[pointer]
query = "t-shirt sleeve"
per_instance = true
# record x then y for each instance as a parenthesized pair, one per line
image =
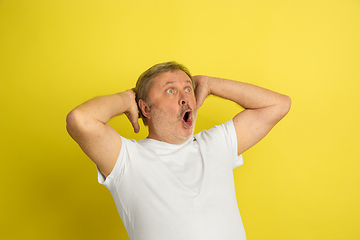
(120, 167)
(226, 132)
(230, 130)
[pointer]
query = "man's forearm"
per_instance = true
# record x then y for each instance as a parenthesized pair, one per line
(103, 108)
(246, 95)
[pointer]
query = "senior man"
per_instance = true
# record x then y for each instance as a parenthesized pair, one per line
(174, 185)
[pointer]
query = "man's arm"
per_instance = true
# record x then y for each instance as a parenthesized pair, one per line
(263, 108)
(87, 125)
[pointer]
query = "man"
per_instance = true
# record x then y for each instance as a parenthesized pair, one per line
(173, 184)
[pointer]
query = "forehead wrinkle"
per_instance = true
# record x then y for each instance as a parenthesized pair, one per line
(174, 82)
(169, 82)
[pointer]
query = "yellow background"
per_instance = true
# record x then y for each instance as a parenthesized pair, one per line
(301, 182)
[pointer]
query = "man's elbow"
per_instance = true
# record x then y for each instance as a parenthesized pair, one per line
(75, 121)
(284, 106)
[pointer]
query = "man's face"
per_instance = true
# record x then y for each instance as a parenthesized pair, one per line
(173, 113)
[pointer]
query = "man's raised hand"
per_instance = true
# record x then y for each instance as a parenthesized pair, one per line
(202, 89)
(132, 112)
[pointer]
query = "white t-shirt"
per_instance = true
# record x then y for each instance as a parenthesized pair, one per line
(164, 191)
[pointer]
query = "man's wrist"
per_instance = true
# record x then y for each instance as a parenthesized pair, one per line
(204, 81)
(126, 100)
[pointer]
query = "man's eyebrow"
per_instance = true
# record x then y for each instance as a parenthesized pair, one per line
(189, 82)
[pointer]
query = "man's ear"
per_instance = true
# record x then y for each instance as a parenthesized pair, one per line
(144, 108)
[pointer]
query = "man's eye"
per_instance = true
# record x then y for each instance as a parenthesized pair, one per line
(169, 91)
(188, 90)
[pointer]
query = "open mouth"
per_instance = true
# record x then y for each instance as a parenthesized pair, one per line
(186, 118)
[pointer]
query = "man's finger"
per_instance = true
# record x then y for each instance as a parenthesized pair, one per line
(136, 126)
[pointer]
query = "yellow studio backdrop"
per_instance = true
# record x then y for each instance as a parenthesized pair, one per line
(301, 182)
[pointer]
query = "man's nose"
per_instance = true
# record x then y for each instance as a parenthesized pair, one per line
(183, 102)
(184, 98)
